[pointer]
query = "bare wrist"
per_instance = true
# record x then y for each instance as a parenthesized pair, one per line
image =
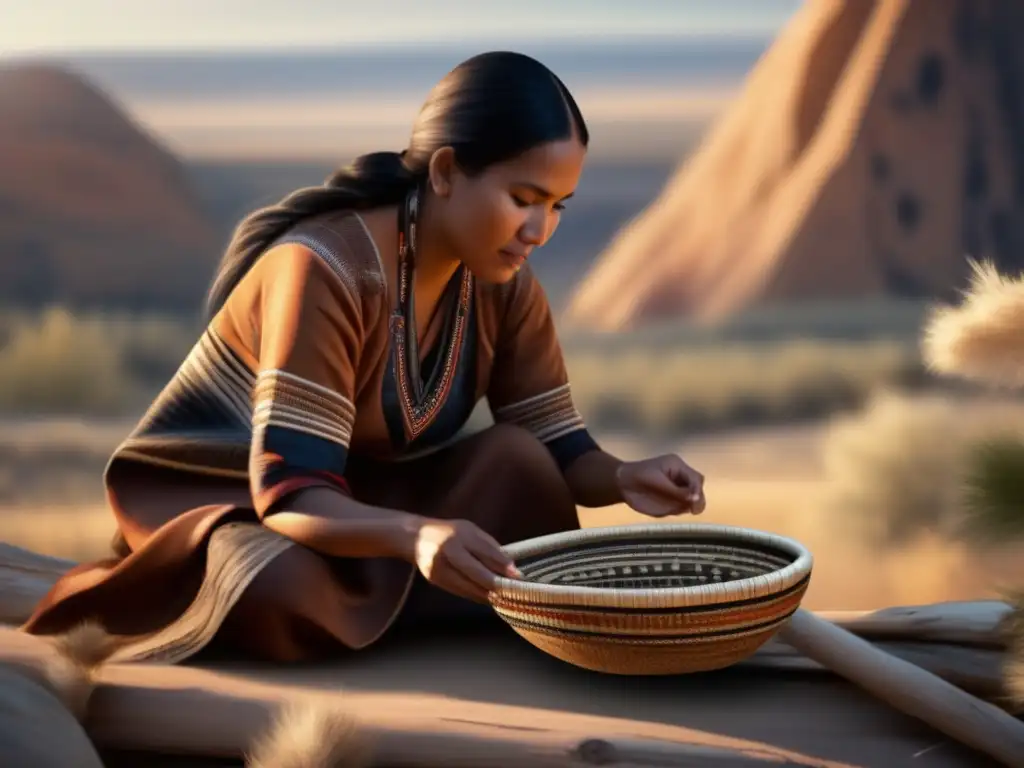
(405, 535)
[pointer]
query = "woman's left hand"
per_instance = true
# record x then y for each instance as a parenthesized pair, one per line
(662, 486)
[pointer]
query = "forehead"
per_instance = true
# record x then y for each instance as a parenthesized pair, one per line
(555, 166)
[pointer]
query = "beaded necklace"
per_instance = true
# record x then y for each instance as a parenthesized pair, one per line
(421, 400)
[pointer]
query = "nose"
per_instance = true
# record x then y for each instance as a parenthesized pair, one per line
(538, 227)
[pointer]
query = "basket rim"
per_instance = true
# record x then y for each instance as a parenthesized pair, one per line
(751, 588)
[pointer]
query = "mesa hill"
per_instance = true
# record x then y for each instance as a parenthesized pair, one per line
(92, 210)
(873, 147)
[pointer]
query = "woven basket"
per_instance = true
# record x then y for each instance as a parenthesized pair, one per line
(653, 599)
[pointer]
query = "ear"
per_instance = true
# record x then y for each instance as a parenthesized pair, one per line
(442, 170)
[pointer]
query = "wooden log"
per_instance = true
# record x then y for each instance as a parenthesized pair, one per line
(320, 735)
(214, 723)
(36, 729)
(908, 688)
(978, 671)
(975, 622)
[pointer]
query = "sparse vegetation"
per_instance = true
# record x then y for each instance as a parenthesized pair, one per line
(57, 362)
(909, 466)
(994, 488)
(691, 389)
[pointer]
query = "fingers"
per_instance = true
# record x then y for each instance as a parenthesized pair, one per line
(673, 499)
(664, 486)
(453, 581)
(690, 481)
(469, 567)
(490, 553)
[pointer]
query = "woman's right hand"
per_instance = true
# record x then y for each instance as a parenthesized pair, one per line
(459, 557)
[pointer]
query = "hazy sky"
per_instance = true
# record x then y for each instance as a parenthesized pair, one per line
(62, 25)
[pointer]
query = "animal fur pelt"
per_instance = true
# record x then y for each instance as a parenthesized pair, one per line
(311, 735)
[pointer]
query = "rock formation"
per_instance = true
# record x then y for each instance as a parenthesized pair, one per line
(92, 210)
(874, 147)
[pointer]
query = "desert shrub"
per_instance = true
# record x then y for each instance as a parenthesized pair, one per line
(93, 364)
(61, 363)
(994, 488)
(66, 363)
(664, 390)
(906, 465)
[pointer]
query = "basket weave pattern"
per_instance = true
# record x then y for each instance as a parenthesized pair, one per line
(660, 599)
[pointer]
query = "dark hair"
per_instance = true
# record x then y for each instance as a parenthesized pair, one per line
(490, 108)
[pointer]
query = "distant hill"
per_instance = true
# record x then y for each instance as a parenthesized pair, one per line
(93, 211)
(874, 146)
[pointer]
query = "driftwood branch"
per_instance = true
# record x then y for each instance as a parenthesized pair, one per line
(908, 688)
(976, 622)
(978, 671)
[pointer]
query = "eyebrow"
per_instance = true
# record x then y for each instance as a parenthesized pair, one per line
(540, 190)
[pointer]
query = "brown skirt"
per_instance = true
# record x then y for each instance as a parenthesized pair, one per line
(201, 573)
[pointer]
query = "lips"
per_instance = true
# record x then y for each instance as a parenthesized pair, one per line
(514, 259)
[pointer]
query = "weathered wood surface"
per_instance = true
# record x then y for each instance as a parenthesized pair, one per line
(208, 711)
(908, 688)
(978, 671)
(446, 695)
(976, 622)
(222, 717)
(36, 729)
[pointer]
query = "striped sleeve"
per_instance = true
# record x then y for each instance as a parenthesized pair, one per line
(529, 385)
(310, 337)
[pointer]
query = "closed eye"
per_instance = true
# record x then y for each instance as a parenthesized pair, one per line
(541, 192)
(525, 204)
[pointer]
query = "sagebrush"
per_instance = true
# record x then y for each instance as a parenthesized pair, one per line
(910, 465)
(60, 362)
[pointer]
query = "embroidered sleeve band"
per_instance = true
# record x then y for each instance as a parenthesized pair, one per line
(552, 418)
(301, 431)
(548, 416)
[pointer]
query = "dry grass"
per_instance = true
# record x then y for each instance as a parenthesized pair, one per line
(900, 469)
(682, 390)
(58, 362)
(61, 362)
(982, 339)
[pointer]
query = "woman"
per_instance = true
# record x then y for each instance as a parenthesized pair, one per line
(304, 465)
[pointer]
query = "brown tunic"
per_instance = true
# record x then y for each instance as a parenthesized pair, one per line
(308, 377)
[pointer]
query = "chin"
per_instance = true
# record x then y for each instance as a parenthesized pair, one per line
(495, 275)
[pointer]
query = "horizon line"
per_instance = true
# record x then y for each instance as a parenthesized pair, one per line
(419, 45)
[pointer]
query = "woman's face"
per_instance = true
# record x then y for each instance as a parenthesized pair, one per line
(495, 219)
